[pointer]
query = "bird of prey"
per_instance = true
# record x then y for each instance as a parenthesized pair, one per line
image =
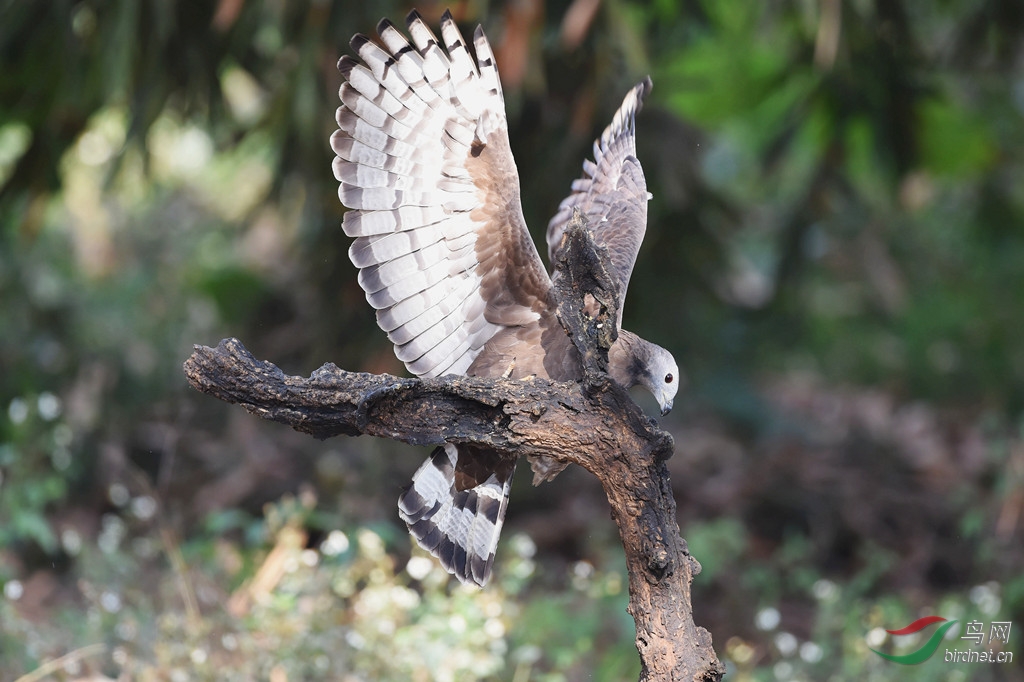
(446, 260)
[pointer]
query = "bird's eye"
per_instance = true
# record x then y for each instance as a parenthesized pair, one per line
(668, 378)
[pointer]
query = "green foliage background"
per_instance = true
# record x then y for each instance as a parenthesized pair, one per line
(835, 254)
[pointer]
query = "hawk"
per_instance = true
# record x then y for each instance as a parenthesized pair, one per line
(446, 260)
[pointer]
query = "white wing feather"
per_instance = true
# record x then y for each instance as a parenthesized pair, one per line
(410, 113)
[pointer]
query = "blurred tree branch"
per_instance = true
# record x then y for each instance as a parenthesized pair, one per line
(594, 424)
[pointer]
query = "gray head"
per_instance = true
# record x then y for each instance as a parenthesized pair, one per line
(636, 362)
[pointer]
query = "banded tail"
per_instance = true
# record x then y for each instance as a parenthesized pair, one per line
(455, 517)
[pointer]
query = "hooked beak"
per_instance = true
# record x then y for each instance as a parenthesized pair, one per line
(666, 408)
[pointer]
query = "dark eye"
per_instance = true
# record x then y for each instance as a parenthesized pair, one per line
(668, 378)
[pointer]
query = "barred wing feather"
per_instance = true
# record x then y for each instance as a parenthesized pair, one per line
(422, 159)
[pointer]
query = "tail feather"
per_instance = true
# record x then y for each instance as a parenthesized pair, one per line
(459, 527)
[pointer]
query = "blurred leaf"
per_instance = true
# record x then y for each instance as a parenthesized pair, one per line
(954, 141)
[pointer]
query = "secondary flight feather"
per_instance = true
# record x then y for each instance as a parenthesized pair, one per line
(446, 260)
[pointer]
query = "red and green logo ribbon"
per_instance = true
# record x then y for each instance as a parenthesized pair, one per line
(926, 651)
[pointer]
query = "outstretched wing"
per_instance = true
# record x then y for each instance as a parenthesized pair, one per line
(612, 193)
(424, 162)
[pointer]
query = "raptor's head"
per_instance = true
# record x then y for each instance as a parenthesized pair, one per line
(634, 361)
(661, 377)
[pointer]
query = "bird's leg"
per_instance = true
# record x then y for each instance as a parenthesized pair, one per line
(508, 372)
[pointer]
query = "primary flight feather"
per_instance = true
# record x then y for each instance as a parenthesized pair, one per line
(446, 260)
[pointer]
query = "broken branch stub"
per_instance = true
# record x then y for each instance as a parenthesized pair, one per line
(587, 295)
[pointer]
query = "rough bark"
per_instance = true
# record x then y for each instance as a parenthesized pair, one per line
(594, 424)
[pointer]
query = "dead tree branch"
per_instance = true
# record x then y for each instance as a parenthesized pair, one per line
(594, 424)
